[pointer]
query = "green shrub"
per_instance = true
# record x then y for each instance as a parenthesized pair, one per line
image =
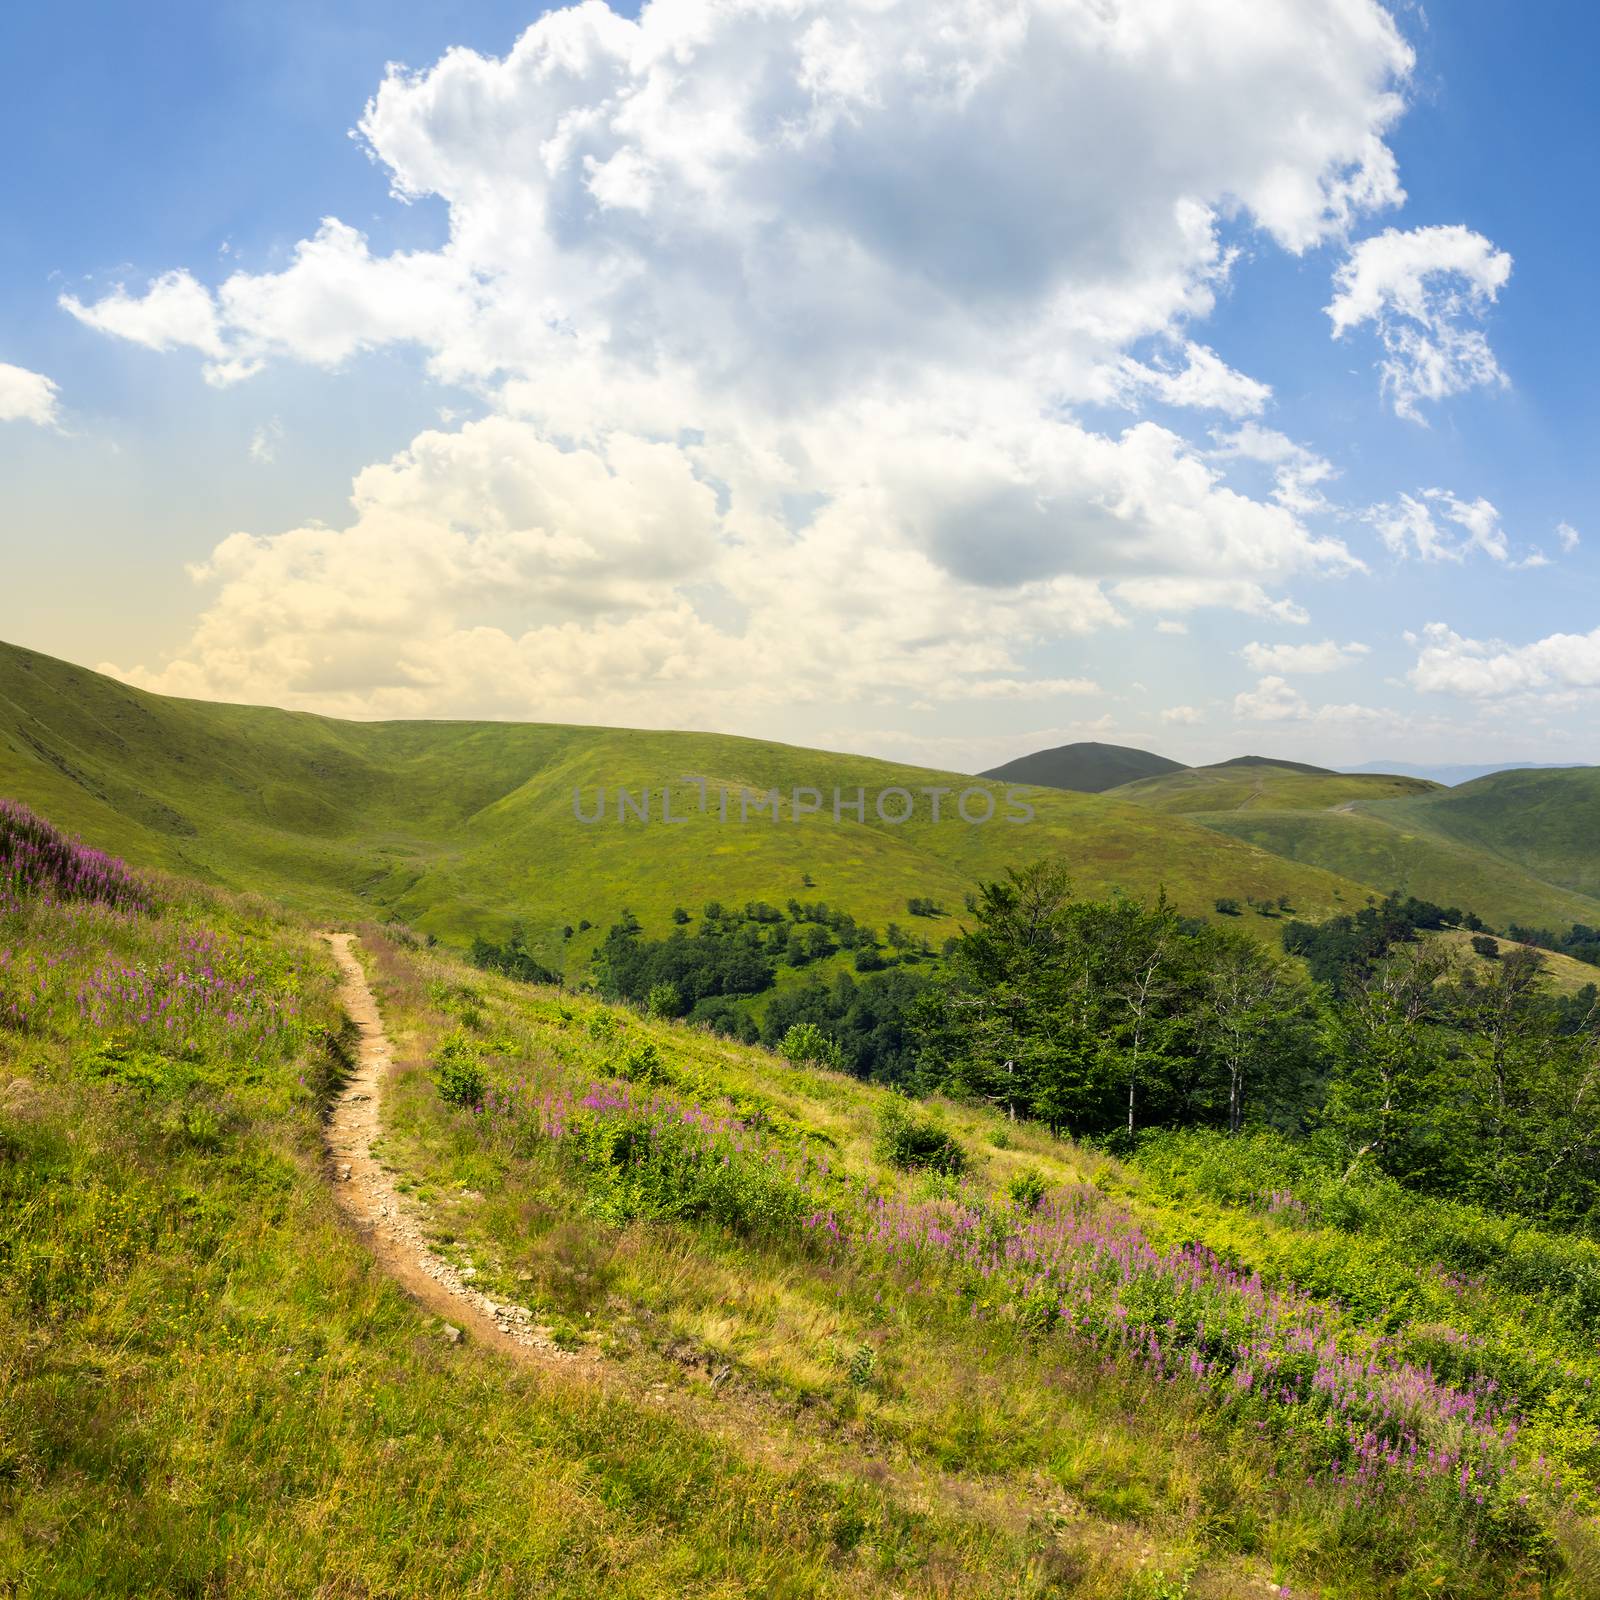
(863, 1363)
(458, 1074)
(670, 1172)
(664, 1001)
(913, 1141)
(805, 1044)
(1027, 1189)
(642, 1063)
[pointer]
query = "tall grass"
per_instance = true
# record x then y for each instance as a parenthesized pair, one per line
(208, 1389)
(1096, 1338)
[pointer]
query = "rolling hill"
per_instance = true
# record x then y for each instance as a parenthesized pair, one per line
(1088, 768)
(1412, 861)
(1450, 774)
(464, 827)
(1517, 847)
(1543, 820)
(1249, 784)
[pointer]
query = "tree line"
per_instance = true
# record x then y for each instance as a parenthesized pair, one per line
(1110, 1017)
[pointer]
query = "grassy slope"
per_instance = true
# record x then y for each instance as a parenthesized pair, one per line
(207, 1387)
(1518, 847)
(1545, 821)
(1240, 787)
(1383, 851)
(1032, 1424)
(461, 827)
(1563, 975)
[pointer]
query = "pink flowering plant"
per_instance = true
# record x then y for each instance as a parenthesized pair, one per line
(1343, 1398)
(155, 991)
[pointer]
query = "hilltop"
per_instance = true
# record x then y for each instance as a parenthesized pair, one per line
(1514, 847)
(1545, 820)
(1253, 784)
(467, 827)
(1086, 767)
(1450, 774)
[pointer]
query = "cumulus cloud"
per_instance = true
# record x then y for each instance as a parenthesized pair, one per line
(1026, 688)
(1297, 472)
(175, 311)
(1301, 658)
(27, 396)
(1568, 536)
(1184, 716)
(1205, 382)
(1426, 291)
(1274, 699)
(1436, 525)
(838, 272)
(1447, 663)
(489, 571)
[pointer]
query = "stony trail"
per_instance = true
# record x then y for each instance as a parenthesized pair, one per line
(391, 1225)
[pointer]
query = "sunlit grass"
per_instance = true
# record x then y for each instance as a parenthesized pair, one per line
(893, 1348)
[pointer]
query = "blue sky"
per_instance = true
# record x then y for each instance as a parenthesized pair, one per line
(738, 374)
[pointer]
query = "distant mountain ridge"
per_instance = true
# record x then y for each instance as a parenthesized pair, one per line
(1450, 775)
(462, 828)
(1516, 844)
(1085, 768)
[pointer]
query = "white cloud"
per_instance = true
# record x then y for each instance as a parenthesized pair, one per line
(1024, 688)
(1568, 535)
(489, 571)
(1205, 382)
(1186, 716)
(1273, 699)
(1192, 594)
(1447, 663)
(1412, 524)
(1171, 625)
(1425, 290)
(1297, 471)
(1301, 658)
(27, 396)
(836, 272)
(176, 311)
(264, 442)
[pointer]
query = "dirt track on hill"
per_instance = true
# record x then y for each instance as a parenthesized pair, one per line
(745, 1422)
(392, 1228)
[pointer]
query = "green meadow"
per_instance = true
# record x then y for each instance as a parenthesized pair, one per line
(804, 1361)
(461, 828)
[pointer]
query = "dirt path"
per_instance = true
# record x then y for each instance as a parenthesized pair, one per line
(393, 1231)
(364, 1188)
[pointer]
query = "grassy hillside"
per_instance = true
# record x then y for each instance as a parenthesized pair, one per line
(1041, 1348)
(1563, 975)
(804, 1365)
(1379, 851)
(462, 827)
(1516, 847)
(1087, 767)
(1544, 820)
(208, 1387)
(1263, 786)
